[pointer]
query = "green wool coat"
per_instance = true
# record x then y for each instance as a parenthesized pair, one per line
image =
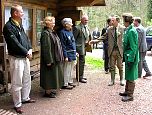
(131, 53)
(51, 77)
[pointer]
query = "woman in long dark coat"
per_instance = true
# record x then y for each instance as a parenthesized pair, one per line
(51, 73)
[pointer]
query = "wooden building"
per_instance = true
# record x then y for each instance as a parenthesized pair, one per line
(34, 13)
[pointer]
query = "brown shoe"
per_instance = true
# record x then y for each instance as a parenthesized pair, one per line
(18, 110)
(29, 101)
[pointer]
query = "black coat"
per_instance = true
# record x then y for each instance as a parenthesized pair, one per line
(17, 41)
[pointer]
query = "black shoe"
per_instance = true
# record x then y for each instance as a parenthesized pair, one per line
(127, 98)
(106, 72)
(29, 101)
(123, 94)
(71, 84)
(67, 87)
(111, 83)
(83, 81)
(54, 92)
(147, 75)
(51, 95)
(122, 83)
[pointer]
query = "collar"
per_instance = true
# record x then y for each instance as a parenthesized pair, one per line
(16, 22)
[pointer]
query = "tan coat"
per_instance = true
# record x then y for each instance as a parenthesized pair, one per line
(111, 36)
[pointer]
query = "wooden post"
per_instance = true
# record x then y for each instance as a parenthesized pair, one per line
(3, 56)
(77, 69)
(4, 63)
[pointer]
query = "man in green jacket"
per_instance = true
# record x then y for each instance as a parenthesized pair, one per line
(131, 57)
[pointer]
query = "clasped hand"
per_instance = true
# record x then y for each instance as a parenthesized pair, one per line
(129, 64)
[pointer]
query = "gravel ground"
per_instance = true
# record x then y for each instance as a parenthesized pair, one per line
(93, 98)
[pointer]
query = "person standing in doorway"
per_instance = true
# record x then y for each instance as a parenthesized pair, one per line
(19, 51)
(131, 57)
(82, 37)
(95, 35)
(142, 48)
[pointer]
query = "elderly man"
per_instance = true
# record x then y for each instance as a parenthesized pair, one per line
(142, 48)
(82, 37)
(19, 51)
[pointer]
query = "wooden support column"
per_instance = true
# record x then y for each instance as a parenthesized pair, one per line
(3, 62)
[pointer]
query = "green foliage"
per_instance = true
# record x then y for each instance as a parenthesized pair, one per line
(149, 10)
(149, 23)
(99, 14)
(94, 63)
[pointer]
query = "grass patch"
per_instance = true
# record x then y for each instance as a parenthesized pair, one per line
(94, 63)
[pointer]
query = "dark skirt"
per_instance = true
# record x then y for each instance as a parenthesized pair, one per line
(51, 77)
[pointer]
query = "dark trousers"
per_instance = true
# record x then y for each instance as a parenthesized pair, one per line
(95, 44)
(81, 66)
(142, 64)
(106, 59)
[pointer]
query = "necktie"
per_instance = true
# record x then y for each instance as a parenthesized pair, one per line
(115, 38)
(86, 32)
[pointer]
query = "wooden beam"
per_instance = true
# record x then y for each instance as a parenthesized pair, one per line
(1, 20)
(98, 3)
(79, 3)
(74, 14)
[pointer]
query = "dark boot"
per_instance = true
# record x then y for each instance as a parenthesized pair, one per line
(112, 78)
(121, 77)
(131, 87)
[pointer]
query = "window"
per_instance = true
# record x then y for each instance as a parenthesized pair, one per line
(26, 20)
(40, 15)
(31, 21)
